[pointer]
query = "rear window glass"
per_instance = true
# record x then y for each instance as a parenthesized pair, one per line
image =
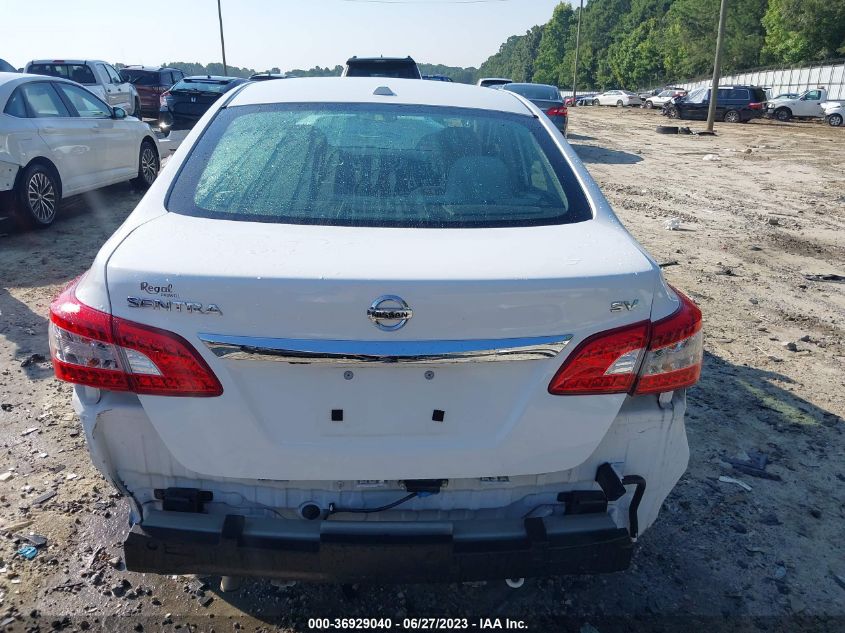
(399, 70)
(80, 73)
(539, 92)
(378, 165)
(140, 77)
(203, 85)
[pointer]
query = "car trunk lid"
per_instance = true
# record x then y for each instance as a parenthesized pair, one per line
(384, 403)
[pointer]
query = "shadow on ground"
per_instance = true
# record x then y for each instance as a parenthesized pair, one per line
(594, 154)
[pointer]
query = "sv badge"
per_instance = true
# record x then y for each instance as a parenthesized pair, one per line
(624, 306)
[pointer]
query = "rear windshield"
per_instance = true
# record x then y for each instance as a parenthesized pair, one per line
(80, 73)
(203, 85)
(140, 77)
(399, 69)
(378, 165)
(539, 92)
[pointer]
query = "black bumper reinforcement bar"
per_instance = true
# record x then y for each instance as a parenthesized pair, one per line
(351, 551)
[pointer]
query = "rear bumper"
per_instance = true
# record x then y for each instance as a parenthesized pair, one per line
(353, 551)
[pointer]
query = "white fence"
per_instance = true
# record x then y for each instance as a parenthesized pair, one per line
(779, 80)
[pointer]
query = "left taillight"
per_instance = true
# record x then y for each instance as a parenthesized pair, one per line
(557, 111)
(642, 358)
(93, 348)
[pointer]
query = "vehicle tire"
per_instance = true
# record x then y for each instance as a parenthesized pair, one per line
(38, 196)
(783, 114)
(673, 113)
(148, 165)
(619, 104)
(834, 120)
(649, 105)
(137, 113)
(596, 102)
(732, 116)
(666, 129)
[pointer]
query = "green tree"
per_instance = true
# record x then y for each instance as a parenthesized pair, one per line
(804, 30)
(556, 39)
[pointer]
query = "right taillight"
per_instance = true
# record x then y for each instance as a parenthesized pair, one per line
(163, 98)
(675, 351)
(93, 348)
(637, 359)
(756, 106)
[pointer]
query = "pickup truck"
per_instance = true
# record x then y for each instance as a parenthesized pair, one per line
(805, 105)
(97, 76)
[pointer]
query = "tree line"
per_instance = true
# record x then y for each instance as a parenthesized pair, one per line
(646, 43)
(642, 43)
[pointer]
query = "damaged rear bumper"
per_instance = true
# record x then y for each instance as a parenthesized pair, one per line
(352, 551)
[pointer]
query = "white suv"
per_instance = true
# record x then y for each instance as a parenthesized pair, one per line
(97, 76)
(407, 339)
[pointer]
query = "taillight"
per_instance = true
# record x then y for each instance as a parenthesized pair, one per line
(641, 358)
(90, 347)
(557, 111)
(756, 106)
(162, 100)
(675, 351)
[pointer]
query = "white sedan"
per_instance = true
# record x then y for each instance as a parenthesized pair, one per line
(57, 139)
(618, 98)
(379, 328)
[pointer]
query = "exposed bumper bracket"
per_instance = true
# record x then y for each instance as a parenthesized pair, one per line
(351, 551)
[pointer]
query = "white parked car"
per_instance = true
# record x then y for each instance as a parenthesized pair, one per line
(407, 339)
(57, 139)
(618, 98)
(98, 76)
(834, 113)
(661, 99)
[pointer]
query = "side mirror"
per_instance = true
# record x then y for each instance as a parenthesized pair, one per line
(118, 113)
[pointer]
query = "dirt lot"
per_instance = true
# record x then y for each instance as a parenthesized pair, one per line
(768, 209)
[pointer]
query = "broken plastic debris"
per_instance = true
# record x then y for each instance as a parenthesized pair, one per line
(28, 552)
(31, 429)
(731, 480)
(673, 224)
(711, 157)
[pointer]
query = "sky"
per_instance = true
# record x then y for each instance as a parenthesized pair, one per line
(262, 34)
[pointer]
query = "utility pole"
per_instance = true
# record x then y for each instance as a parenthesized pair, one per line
(717, 66)
(222, 44)
(577, 42)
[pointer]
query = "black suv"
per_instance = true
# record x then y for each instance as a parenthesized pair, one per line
(397, 67)
(734, 104)
(184, 104)
(151, 82)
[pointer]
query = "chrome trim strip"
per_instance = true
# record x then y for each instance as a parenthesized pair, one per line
(309, 351)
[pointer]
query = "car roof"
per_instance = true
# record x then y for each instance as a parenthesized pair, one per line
(515, 84)
(355, 59)
(152, 69)
(10, 81)
(210, 78)
(361, 90)
(68, 61)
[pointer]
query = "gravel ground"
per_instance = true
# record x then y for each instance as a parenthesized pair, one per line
(754, 210)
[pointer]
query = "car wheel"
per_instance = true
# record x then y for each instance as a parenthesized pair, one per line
(673, 113)
(731, 116)
(148, 165)
(39, 194)
(834, 120)
(596, 102)
(619, 103)
(649, 105)
(783, 114)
